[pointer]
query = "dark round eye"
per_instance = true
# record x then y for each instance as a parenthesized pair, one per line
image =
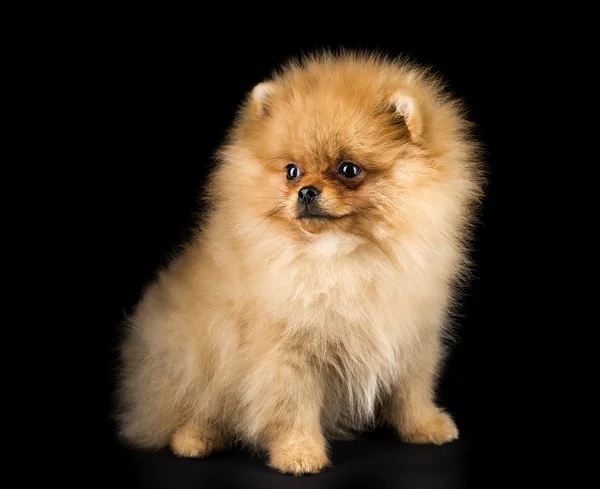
(292, 172)
(349, 169)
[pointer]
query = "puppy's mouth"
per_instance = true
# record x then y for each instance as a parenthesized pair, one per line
(310, 213)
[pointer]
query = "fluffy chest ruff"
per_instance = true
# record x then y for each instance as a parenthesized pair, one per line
(350, 310)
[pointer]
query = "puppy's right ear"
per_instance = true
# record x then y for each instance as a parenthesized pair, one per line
(261, 98)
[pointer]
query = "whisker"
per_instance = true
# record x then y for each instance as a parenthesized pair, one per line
(266, 229)
(275, 209)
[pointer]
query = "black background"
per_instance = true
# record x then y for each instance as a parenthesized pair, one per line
(161, 108)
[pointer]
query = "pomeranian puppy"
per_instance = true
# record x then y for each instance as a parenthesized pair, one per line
(315, 297)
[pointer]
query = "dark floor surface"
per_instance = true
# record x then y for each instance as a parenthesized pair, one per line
(375, 460)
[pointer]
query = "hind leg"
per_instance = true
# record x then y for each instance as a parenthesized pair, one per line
(197, 440)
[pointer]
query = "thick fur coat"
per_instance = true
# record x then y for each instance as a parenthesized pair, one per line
(281, 329)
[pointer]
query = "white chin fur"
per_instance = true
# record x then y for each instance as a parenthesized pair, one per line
(331, 243)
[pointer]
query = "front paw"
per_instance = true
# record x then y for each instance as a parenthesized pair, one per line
(193, 442)
(435, 427)
(299, 455)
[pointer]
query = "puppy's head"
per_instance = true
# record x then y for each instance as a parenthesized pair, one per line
(346, 143)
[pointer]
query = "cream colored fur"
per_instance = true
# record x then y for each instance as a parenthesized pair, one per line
(281, 333)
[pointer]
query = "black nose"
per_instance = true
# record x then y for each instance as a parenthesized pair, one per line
(307, 194)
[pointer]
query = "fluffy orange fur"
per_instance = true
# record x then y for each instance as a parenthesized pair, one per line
(281, 331)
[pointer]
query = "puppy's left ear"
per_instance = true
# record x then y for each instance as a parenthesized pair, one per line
(261, 98)
(405, 106)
